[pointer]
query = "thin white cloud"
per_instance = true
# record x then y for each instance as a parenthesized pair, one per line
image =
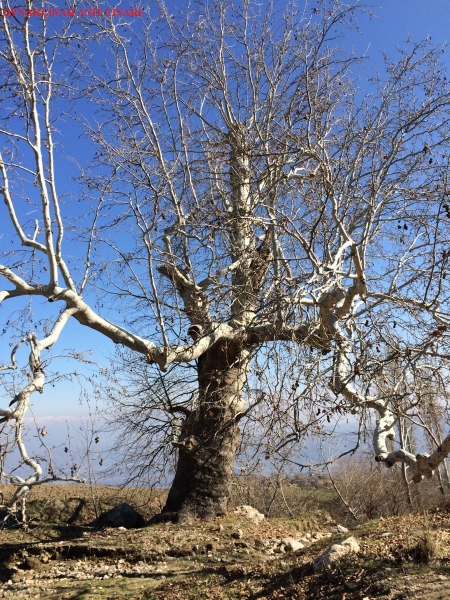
(54, 419)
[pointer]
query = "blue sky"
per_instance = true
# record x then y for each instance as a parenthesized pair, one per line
(395, 20)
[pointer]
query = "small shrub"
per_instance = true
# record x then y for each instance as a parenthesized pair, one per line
(427, 548)
(373, 491)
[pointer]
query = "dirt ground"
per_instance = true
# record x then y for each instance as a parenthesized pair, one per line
(60, 556)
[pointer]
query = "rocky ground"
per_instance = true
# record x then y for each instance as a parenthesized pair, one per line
(237, 556)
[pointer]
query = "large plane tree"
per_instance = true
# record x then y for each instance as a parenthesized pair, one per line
(247, 188)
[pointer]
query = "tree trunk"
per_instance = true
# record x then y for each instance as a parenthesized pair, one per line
(209, 437)
(441, 481)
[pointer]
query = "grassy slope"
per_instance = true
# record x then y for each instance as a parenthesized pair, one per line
(204, 561)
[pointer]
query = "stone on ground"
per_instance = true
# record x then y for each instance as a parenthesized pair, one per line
(122, 515)
(291, 544)
(250, 513)
(336, 553)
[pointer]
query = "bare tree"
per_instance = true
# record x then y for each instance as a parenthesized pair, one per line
(18, 407)
(143, 417)
(256, 194)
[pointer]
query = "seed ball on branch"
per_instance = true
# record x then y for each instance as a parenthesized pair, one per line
(195, 332)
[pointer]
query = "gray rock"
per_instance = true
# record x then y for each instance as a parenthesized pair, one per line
(304, 540)
(122, 515)
(250, 513)
(341, 529)
(336, 553)
(291, 544)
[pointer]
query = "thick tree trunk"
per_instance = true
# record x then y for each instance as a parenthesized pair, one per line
(209, 439)
(210, 436)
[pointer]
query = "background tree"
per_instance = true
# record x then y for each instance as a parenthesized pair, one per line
(251, 200)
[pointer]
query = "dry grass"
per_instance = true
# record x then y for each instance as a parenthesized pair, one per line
(81, 504)
(281, 499)
(428, 547)
(400, 557)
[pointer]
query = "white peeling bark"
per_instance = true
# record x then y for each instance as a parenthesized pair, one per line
(420, 465)
(336, 310)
